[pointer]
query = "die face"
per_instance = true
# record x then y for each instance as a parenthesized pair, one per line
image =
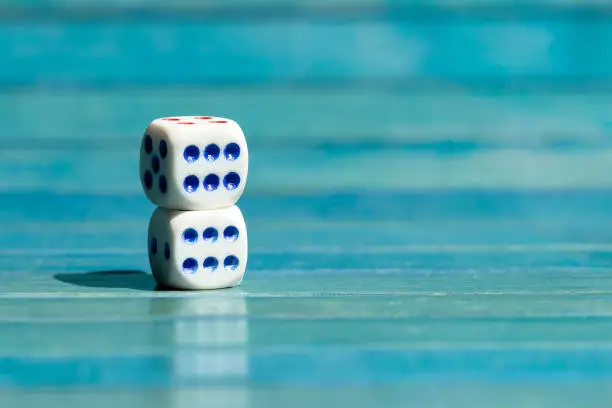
(204, 164)
(154, 166)
(159, 246)
(206, 249)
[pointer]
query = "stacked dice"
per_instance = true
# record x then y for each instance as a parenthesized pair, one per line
(194, 169)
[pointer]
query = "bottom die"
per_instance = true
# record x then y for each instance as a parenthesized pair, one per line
(198, 249)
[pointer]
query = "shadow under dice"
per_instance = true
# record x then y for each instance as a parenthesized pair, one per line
(198, 249)
(193, 162)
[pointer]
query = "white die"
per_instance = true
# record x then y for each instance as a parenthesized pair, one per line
(193, 162)
(198, 249)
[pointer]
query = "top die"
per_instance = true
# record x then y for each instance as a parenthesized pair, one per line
(193, 162)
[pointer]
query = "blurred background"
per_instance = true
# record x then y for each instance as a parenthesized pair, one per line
(427, 199)
(344, 94)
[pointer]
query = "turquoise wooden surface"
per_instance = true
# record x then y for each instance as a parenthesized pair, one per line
(479, 293)
(428, 204)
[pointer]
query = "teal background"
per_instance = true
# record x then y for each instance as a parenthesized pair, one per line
(428, 203)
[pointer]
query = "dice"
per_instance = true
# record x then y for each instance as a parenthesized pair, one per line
(194, 169)
(193, 162)
(195, 250)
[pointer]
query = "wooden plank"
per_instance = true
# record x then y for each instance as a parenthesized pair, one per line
(67, 6)
(467, 392)
(187, 52)
(100, 172)
(450, 121)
